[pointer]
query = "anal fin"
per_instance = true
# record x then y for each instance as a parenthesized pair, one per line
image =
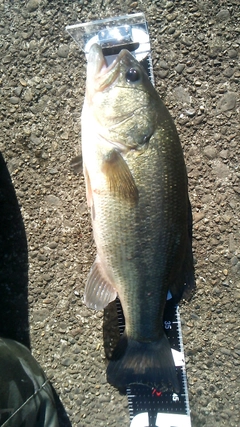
(98, 292)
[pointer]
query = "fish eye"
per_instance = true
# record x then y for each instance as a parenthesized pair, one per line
(133, 75)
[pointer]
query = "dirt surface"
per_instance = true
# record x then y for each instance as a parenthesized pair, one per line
(45, 232)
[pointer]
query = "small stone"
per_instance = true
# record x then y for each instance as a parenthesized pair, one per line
(192, 351)
(179, 68)
(171, 30)
(76, 164)
(63, 158)
(194, 316)
(224, 154)
(225, 272)
(236, 268)
(64, 136)
(52, 245)
(177, 34)
(33, 45)
(214, 242)
(198, 83)
(46, 277)
(23, 82)
(42, 257)
(225, 283)
(20, 194)
(67, 361)
(23, 53)
(47, 301)
(104, 399)
(17, 91)
(52, 171)
(27, 35)
(210, 152)
(76, 293)
(228, 72)
(217, 136)
(183, 120)
(225, 351)
(44, 155)
(33, 5)
(201, 37)
(197, 216)
(232, 53)
(217, 63)
(13, 164)
(171, 17)
(7, 59)
(76, 331)
(186, 41)
(223, 15)
(237, 189)
(190, 113)
(214, 51)
(28, 95)
(181, 95)
(14, 100)
(134, 4)
(216, 290)
(198, 120)
(53, 200)
(40, 315)
(200, 391)
(191, 70)
(35, 139)
(221, 170)
(234, 260)
(227, 102)
(63, 51)
(226, 218)
(162, 73)
(163, 64)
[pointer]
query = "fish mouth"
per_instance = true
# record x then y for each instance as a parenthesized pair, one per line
(98, 71)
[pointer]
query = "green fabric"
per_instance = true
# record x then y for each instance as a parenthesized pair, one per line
(26, 398)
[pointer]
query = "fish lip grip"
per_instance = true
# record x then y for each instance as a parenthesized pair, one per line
(147, 406)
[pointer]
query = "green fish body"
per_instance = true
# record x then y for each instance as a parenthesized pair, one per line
(136, 186)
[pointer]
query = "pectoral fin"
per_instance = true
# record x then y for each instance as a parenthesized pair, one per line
(99, 291)
(119, 177)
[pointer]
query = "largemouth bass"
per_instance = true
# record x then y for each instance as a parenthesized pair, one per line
(136, 187)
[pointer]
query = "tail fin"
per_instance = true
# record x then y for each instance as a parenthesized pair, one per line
(149, 363)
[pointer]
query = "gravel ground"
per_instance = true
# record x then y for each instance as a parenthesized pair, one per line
(46, 238)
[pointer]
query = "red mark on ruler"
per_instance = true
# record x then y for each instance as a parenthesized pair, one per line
(157, 393)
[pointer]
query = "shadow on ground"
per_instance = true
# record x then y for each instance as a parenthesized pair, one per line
(13, 264)
(14, 323)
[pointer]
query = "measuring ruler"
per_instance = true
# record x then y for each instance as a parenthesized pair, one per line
(148, 407)
(153, 408)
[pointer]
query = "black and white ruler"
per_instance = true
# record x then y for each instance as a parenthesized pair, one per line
(148, 407)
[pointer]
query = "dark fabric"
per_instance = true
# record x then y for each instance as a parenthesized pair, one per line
(26, 398)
